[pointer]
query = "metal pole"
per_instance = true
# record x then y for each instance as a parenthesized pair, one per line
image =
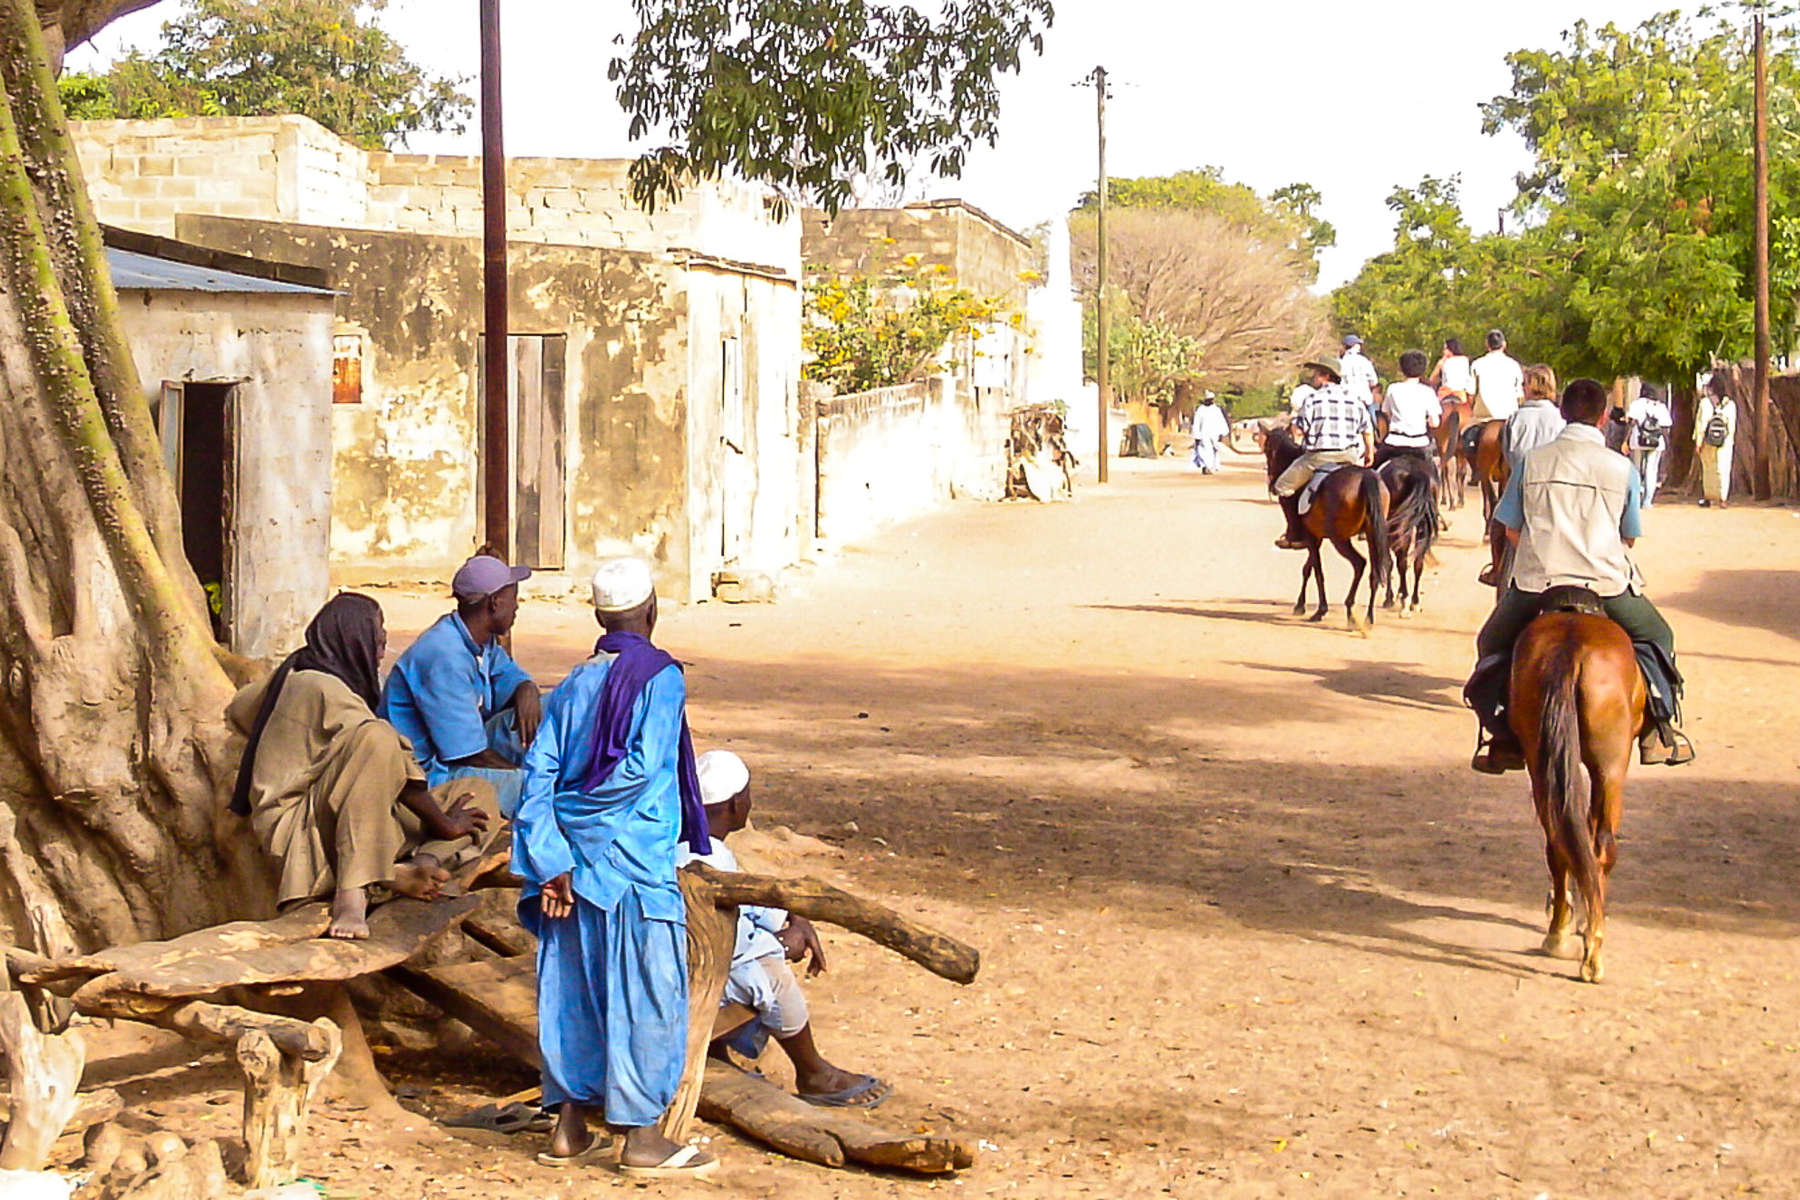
(1101, 315)
(496, 475)
(1762, 481)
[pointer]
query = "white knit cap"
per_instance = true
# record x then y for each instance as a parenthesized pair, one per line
(722, 776)
(621, 584)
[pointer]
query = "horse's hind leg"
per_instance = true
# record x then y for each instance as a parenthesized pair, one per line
(1606, 804)
(1562, 912)
(1358, 564)
(1306, 569)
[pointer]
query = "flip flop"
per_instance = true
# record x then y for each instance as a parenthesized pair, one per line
(596, 1144)
(503, 1118)
(866, 1092)
(679, 1165)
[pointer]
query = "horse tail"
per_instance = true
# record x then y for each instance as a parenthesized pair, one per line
(1559, 766)
(1417, 513)
(1374, 494)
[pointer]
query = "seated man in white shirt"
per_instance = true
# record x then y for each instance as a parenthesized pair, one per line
(768, 939)
(1499, 381)
(1412, 410)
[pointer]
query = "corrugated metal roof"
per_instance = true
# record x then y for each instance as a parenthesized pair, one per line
(148, 273)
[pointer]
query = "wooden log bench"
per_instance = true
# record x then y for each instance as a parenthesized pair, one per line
(180, 984)
(498, 999)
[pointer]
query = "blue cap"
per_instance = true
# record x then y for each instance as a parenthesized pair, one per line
(1350, 339)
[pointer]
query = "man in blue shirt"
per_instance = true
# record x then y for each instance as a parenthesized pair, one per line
(611, 788)
(457, 695)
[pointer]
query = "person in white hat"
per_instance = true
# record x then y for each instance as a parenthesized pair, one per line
(1210, 430)
(611, 789)
(467, 708)
(768, 939)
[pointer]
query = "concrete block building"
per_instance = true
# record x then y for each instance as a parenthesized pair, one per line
(655, 358)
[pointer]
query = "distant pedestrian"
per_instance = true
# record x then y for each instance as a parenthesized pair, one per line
(1210, 429)
(1649, 420)
(1499, 380)
(1715, 433)
(1359, 375)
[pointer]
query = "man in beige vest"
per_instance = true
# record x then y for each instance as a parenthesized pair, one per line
(1571, 512)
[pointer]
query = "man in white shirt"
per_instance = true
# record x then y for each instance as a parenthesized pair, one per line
(1649, 420)
(1715, 433)
(1499, 380)
(1412, 410)
(1359, 374)
(1210, 429)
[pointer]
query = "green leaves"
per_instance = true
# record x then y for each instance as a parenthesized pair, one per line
(1632, 250)
(808, 95)
(319, 58)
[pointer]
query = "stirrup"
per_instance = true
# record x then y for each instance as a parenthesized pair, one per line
(1492, 759)
(1670, 748)
(1490, 575)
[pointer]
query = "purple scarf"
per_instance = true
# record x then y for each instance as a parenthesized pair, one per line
(636, 664)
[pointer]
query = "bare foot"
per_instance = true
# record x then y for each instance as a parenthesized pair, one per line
(349, 915)
(422, 878)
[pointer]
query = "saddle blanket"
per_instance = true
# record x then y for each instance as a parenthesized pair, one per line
(1312, 485)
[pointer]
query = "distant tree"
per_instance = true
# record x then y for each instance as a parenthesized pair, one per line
(1285, 218)
(325, 59)
(1237, 309)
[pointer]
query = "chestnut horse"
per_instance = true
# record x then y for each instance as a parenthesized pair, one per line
(1352, 502)
(1445, 438)
(1487, 466)
(1577, 701)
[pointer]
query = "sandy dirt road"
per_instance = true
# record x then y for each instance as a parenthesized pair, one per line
(1250, 926)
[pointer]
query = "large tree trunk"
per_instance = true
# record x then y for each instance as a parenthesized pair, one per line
(113, 749)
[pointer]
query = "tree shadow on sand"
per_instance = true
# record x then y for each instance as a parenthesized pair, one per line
(1059, 787)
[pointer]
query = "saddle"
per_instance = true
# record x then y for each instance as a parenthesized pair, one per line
(1571, 598)
(1313, 485)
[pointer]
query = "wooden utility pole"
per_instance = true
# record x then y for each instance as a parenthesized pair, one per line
(1762, 481)
(1103, 330)
(496, 383)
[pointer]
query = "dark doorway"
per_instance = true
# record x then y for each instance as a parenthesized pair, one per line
(196, 423)
(535, 424)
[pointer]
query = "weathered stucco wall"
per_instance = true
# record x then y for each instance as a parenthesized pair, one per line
(405, 459)
(278, 348)
(981, 253)
(144, 174)
(748, 506)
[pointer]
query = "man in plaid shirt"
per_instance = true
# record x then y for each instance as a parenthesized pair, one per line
(1335, 427)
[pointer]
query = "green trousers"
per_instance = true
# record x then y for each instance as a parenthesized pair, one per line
(1634, 614)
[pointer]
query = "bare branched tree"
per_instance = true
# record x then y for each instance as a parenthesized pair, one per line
(1242, 300)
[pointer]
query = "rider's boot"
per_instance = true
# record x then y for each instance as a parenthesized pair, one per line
(1497, 748)
(1663, 744)
(1295, 537)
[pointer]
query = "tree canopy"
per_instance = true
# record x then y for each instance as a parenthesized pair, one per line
(325, 59)
(1631, 255)
(1285, 217)
(811, 95)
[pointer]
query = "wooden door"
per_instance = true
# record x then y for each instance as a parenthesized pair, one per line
(534, 456)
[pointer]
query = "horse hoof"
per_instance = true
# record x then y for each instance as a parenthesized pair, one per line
(1316, 617)
(1592, 971)
(1299, 610)
(1559, 946)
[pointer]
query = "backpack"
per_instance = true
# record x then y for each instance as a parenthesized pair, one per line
(1650, 433)
(1718, 431)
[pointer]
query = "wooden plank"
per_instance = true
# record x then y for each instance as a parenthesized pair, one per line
(303, 921)
(528, 436)
(204, 963)
(830, 1136)
(711, 937)
(497, 999)
(551, 484)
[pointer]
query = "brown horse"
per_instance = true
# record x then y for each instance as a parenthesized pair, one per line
(1577, 701)
(1412, 486)
(1352, 502)
(1487, 466)
(1445, 438)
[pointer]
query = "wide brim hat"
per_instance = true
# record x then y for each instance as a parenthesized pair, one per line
(1327, 362)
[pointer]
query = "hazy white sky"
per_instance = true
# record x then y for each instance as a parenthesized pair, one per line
(1353, 98)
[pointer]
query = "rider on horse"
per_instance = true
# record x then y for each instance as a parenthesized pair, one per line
(1537, 420)
(1571, 511)
(1335, 427)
